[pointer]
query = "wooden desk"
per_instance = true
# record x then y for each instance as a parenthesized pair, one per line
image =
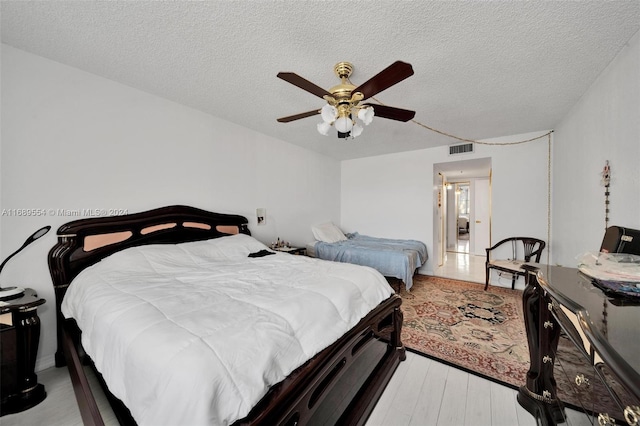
(604, 328)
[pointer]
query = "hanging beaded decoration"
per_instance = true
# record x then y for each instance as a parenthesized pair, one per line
(606, 180)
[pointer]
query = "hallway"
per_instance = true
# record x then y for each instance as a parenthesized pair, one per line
(468, 267)
(462, 266)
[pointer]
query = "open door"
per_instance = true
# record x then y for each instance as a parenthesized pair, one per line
(482, 217)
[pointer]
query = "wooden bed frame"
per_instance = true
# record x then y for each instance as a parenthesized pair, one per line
(341, 384)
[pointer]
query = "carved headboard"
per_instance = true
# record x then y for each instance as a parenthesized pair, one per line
(84, 242)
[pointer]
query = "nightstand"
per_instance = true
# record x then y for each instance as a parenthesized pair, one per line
(20, 335)
(291, 250)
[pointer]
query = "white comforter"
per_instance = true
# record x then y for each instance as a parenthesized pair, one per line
(196, 333)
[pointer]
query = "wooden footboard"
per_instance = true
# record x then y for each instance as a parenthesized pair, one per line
(340, 385)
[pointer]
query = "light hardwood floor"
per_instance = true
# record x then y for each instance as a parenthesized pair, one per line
(422, 391)
(59, 407)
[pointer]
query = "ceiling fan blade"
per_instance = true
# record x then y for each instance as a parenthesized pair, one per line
(296, 80)
(392, 113)
(298, 116)
(386, 78)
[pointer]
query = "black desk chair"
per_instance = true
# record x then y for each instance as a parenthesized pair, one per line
(523, 250)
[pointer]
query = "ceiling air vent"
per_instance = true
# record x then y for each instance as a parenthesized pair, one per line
(460, 149)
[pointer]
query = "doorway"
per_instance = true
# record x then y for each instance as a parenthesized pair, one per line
(462, 224)
(457, 216)
(462, 214)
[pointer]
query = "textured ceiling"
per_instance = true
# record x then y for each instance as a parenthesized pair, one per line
(482, 68)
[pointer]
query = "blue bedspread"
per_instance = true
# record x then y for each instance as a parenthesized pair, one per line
(392, 258)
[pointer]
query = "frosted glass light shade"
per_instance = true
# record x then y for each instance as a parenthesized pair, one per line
(344, 124)
(366, 115)
(357, 130)
(329, 113)
(323, 128)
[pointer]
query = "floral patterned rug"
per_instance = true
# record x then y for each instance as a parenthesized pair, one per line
(460, 324)
(483, 332)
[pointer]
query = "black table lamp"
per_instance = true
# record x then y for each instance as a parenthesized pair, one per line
(14, 292)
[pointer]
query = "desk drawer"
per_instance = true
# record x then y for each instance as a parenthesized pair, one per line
(583, 377)
(620, 395)
(580, 385)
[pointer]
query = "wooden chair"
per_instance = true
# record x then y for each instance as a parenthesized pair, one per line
(523, 250)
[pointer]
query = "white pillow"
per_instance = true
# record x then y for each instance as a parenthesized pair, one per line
(328, 233)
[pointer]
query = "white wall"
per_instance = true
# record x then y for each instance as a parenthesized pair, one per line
(72, 140)
(392, 195)
(603, 125)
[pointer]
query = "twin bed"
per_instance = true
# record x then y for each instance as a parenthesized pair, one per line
(190, 320)
(393, 258)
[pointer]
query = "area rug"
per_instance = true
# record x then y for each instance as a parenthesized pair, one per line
(459, 323)
(483, 332)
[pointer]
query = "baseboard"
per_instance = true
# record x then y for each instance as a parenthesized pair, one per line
(42, 363)
(425, 271)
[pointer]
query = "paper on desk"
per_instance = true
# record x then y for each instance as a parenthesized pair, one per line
(610, 266)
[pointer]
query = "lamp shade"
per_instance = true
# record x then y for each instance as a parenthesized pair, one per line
(329, 113)
(323, 128)
(366, 115)
(344, 124)
(357, 130)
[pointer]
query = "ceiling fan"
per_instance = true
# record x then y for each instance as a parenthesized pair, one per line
(344, 100)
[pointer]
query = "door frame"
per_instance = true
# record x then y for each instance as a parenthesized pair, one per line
(460, 170)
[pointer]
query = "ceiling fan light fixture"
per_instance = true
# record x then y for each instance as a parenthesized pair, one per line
(329, 113)
(344, 124)
(357, 130)
(366, 115)
(343, 109)
(323, 128)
